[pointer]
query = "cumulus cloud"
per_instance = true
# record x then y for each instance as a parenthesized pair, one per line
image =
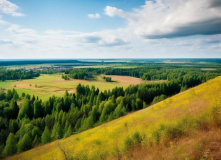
(94, 16)
(112, 38)
(113, 11)
(156, 21)
(172, 18)
(7, 7)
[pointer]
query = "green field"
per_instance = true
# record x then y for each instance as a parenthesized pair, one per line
(47, 85)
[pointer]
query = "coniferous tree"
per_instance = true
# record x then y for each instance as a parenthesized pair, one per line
(25, 143)
(10, 147)
(69, 132)
(37, 109)
(46, 136)
(56, 131)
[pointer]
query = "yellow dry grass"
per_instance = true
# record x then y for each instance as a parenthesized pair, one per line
(108, 140)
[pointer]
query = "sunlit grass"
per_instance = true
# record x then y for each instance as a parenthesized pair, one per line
(47, 85)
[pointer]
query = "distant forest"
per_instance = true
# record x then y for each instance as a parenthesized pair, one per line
(17, 74)
(27, 121)
(150, 72)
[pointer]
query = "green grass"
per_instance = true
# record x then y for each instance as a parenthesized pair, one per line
(47, 85)
(6, 84)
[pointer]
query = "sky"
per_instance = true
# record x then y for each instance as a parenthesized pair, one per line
(45, 29)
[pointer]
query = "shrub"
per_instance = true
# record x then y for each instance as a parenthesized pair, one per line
(108, 79)
(128, 142)
(137, 139)
(133, 141)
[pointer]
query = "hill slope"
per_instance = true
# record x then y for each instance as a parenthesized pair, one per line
(181, 127)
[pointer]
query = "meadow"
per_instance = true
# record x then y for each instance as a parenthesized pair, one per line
(177, 128)
(52, 84)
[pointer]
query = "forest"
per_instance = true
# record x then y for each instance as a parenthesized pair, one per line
(27, 121)
(17, 74)
(149, 72)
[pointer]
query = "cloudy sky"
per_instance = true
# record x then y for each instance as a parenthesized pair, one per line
(110, 29)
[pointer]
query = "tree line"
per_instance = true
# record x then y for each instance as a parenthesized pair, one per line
(7, 74)
(155, 72)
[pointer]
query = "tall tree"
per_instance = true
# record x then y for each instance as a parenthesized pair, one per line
(10, 147)
(46, 136)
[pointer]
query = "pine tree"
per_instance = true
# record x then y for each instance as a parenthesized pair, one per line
(37, 109)
(69, 132)
(35, 142)
(56, 131)
(25, 143)
(46, 136)
(10, 147)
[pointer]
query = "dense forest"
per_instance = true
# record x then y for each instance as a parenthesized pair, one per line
(28, 121)
(150, 72)
(17, 74)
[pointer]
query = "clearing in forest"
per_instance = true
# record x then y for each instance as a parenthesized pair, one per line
(52, 84)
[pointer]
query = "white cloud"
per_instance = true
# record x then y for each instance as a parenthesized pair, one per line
(113, 11)
(107, 38)
(172, 18)
(152, 20)
(7, 7)
(94, 16)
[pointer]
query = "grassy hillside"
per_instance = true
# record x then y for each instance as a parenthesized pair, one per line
(185, 126)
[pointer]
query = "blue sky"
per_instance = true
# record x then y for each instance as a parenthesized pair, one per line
(110, 29)
(70, 14)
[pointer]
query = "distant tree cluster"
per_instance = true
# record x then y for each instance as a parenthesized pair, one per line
(65, 77)
(78, 74)
(17, 74)
(108, 79)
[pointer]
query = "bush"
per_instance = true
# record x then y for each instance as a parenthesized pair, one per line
(108, 79)
(131, 142)
(137, 139)
(128, 142)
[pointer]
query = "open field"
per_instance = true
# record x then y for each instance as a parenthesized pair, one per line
(185, 126)
(129, 80)
(47, 85)
(208, 69)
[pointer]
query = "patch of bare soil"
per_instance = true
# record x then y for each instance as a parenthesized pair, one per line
(213, 151)
(125, 79)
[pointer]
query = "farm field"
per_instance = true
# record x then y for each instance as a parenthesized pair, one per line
(179, 127)
(47, 85)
